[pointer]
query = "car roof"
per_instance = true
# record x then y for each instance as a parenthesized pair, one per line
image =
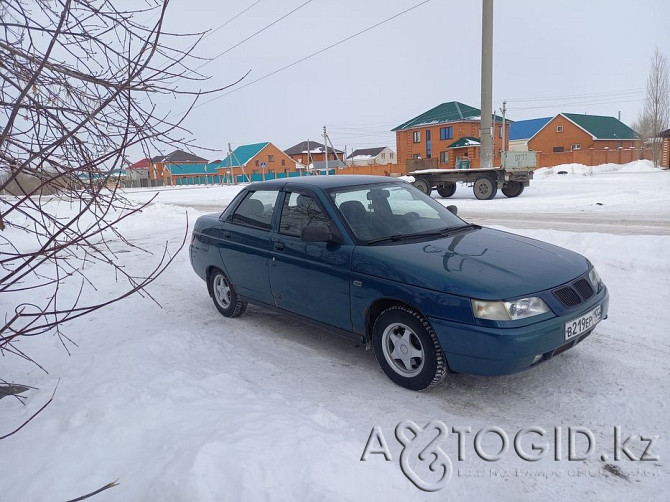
(324, 181)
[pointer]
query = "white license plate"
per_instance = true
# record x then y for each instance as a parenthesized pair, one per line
(582, 324)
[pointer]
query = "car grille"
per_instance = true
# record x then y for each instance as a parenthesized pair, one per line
(575, 294)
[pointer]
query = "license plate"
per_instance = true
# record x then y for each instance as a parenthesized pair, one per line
(582, 324)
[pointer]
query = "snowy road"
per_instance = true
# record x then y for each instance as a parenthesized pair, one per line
(181, 404)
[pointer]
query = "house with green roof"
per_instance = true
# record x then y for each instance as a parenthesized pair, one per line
(446, 135)
(572, 131)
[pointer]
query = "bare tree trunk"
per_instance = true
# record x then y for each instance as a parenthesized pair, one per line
(656, 114)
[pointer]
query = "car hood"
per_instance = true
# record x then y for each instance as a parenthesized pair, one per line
(483, 263)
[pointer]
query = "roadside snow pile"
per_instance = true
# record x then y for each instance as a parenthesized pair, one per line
(639, 166)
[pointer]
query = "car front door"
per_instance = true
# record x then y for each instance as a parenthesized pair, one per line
(245, 244)
(309, 278)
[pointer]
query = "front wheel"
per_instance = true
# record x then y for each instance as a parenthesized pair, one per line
(485, 188)
(422, 185)
(407, 349)
(225, 297)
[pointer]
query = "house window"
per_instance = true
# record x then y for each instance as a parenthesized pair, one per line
(429, 151)
(283, 162)
(417, 136)
(446, 132)
(271, 158)
(500, 130)
(256, 163)
(391, 155)
(558, 149)
(559, 128)
(417, 156)
(575, 146)
(444, 157)
(383, 155)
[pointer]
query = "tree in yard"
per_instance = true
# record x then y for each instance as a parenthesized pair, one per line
(655, 116)
(80, 83)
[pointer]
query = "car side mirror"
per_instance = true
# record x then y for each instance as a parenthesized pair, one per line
(453, 209)
(320, 233)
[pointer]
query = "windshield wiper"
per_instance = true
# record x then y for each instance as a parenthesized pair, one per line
(445, 232)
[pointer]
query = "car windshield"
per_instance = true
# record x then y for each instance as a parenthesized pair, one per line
(392, 211)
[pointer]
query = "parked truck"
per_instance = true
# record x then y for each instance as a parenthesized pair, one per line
(514, 175)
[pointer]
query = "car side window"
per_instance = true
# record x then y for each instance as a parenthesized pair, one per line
(256, 209)
(299, 211)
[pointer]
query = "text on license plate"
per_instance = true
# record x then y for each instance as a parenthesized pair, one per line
(582, 324)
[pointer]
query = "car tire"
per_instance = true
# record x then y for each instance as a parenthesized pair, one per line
(407, 349)
(447, 190)
(485, 188)
(224, 295)
(423, 185)
(512, 189)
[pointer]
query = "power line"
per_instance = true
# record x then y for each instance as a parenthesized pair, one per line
(231, 19)
(320, 51)
(583, 95)
(254, 34)
(576, 103)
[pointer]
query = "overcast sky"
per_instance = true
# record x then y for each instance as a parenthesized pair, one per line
(577, 56)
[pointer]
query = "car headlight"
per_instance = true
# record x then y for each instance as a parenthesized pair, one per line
(595, 279)
(509, 311)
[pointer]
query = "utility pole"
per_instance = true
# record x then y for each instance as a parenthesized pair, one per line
(486, 148)
(325, 144)
(504, 110)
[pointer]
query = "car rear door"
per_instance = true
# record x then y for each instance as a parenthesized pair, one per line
(245, 246)
(309, 278)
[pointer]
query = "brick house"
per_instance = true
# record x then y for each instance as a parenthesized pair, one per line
(158, 174)
(308, 151)
(256, 162)
(570, 131)
(664, 160)
(448, 132)
(520, 131)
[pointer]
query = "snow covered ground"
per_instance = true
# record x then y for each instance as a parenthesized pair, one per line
(181, 404)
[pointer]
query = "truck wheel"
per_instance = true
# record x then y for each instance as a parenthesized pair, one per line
(512, 189)
(422, 185)
(485, 188)
(407, 349)
(447, 190)
(224, 295)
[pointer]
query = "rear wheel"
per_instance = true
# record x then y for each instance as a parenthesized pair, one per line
(447, 190)
(407, 349)
(512, 189)
(485, 188)
(224, 295)
(422, 185)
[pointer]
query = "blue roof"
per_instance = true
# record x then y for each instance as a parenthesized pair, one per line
(177, 169)
(241, 155)
(526, 129)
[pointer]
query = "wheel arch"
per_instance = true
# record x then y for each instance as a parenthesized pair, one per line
(379, 306)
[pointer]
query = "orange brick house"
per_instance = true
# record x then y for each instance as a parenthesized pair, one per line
(449, 132)
(255, 162)
(664, 160)
(158, 170)
(592, 139)
(308, 151)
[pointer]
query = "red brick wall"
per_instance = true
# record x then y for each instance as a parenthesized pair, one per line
(592, 157)
(406, 148)
(549, 138)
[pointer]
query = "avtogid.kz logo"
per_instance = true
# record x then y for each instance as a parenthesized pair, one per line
(425, 462)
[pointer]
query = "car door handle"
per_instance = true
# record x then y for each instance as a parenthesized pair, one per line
(226, 234)
(279, 246)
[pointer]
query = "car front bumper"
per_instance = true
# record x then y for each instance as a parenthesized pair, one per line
(480, 350)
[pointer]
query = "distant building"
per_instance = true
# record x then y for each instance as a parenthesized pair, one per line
(368, 156)
(308, 151)
(664, 160)
(256, 162)
(521, 131)
(449, 133)
(159, 175)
